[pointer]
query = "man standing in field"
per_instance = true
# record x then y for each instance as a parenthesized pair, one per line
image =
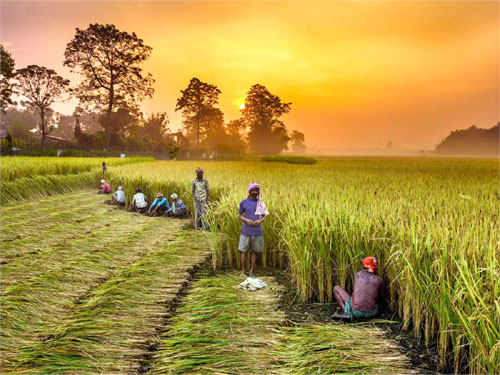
(367, 292)
(252, 212)
(201, 195)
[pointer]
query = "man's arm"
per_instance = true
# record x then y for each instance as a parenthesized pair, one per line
(260, 221)
(208, 191)
(193, 187)
(244, 219)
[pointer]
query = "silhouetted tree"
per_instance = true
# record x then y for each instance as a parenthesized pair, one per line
(298, 140)
(471, 141)
(41, 87)
(267, 135)
(117, 125)
(197, 105)
(109, 62)
(155, 127)
(6, 75)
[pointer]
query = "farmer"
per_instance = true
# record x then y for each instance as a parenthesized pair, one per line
(139, 201)
(252, 212)
(104, 169)
(159, 207)
(367, 291)
(106, 188)
(178, 208)
(201, 195)
(118, 197)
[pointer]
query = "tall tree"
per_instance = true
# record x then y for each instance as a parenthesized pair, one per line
(268, 134)
(109, 62)
(298, 140)
(197, 105)
(41, 87)
(6, 75)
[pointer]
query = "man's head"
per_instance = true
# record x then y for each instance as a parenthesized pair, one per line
(370, 263)
(199, 173)
(103, 181)
(254, 190)
(138, 190)
(159, 196)
(120, 187)
(174, 197)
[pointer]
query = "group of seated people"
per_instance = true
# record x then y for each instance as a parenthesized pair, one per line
(159, 207)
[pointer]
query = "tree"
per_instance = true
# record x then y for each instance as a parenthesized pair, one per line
(197, 105)
(109, 62)
(155, 127)
(6, 75)
(268, 134)
(298, 140)
(41, 87)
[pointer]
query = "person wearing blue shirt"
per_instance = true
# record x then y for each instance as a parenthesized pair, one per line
(178, 207)
(159, 207)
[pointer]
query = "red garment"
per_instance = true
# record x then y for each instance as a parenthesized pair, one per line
(371, 263)
(106, 188)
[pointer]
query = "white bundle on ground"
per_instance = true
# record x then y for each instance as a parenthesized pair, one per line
(252, 283)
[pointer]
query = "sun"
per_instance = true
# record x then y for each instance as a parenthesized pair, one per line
(242, 106)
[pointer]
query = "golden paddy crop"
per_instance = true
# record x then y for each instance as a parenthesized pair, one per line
(433, 224)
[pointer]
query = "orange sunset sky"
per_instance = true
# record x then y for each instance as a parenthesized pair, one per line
(359, 73)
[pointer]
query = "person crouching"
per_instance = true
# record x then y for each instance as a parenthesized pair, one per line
(105, 187)
(159, 207)
(118, 197)
(139, 202)
(178, 208)
(367, 292)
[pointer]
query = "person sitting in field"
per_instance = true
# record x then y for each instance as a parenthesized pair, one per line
(139, 202)
(118, 197)
(105, 187)
(159, 207)
(178, 208)
(367, 292)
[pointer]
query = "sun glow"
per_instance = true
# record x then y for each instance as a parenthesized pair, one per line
(242, 106)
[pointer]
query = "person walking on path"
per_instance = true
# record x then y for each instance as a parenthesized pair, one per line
(201, 196)
(139, 201)
(105, 187)
(252, 212)
(159, 207)
(178, 208)
(104, 169)
(119, 197)
(367, 292)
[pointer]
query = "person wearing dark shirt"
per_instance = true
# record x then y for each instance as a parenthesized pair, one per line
(252, 212)
(364, 302)
(159, 207)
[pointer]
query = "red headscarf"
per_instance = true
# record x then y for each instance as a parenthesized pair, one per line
(371, 263)
(199, 170)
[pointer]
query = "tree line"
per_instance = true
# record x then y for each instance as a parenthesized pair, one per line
(112, 86)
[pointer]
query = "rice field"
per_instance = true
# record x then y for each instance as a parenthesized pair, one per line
(31, 177)
(433, 224)
(84, 283)
(223, 330)
(87, 290)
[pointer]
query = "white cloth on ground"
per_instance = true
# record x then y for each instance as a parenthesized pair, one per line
(252, 283)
